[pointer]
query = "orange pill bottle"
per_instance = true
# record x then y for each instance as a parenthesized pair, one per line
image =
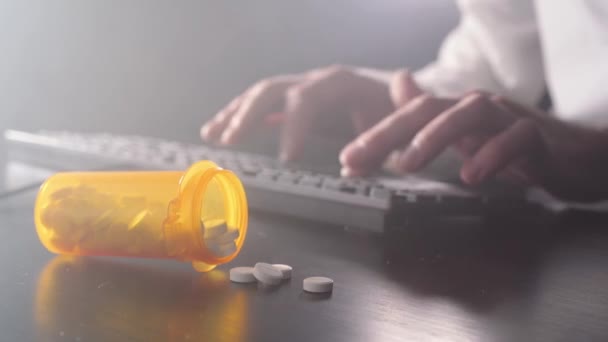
(198, 216)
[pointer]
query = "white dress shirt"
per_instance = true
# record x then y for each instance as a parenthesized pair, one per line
(523, 48)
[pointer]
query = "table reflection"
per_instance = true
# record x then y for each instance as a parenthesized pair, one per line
(78, 298)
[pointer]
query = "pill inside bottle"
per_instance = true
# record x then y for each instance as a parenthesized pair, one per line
(163, 214)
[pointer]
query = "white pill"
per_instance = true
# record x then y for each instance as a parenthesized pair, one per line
(285, 269)
(215, 231)
(267, 274)
(223, 250)
(318, 284)
(242, 275)
(229, 236)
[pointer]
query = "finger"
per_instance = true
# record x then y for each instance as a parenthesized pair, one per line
(509, 145)
(518, 108)
(348, 172)
(371, 147)
(212, 130)
(403, 88)
(523, 111)
(263, 98)
(510, 177)
(518, 173)
(361, 121)
(474, 114)
(388, 165)
(275, 119)
(469, 145)
(306, 100)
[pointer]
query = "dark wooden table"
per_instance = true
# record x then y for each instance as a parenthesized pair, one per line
(527, 280)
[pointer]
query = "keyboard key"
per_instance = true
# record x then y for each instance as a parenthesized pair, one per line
(314, 181)
(288, 177)
(197, 154)
(267, 174)
(249, 170)
(344, 185)
(380, 193)
(231, 165)
(332, 183)
(429, 199)
(407, 196)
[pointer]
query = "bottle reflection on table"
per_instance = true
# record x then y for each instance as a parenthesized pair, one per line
(82, 299)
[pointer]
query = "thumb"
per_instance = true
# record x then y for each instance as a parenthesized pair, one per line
(403, 88)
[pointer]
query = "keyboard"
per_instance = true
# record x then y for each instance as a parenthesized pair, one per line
(296, 191)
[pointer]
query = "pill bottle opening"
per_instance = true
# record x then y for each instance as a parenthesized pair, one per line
(41, 229)
(220, 217)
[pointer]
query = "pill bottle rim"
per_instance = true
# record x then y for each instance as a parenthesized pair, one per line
(194, 183)
(38, 215)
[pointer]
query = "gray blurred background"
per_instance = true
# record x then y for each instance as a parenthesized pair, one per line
(161, 67)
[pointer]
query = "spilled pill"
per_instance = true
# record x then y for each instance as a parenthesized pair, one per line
(215, 231)
(222, 250)
(285, 270)
(267, 274)
(318, 284)
(229, 236)
(242, 275)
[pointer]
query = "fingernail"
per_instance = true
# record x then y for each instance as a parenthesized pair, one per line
(474, 175)
(410, 159)
(353, 173)
(346, 172)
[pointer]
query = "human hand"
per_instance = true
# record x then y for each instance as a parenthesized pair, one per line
(325, 101)
(496, 136)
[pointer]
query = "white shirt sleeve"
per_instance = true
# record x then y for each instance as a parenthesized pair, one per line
(495, 48)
